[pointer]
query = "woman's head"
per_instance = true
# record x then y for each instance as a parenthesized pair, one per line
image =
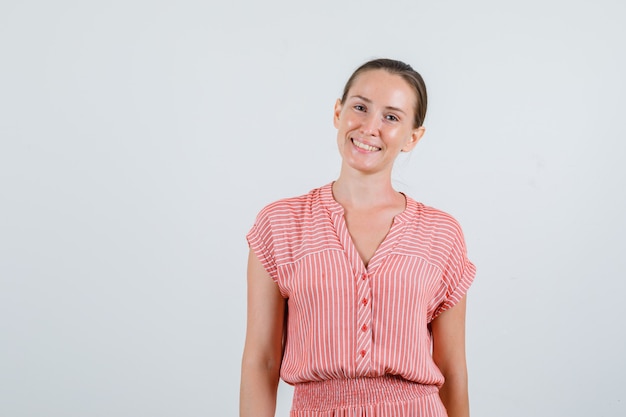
(412, 77)
(379, 116)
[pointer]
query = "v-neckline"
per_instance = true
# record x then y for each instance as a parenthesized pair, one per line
(390, 240)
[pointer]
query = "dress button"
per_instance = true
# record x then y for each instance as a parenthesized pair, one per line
(362, 353)
(364, 276)
(364, 301)
(364, 327)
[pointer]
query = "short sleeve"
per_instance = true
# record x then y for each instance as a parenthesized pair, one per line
(458, 273)
(261, 241)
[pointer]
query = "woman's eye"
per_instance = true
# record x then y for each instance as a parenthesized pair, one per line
(359, 107)
(392, 118)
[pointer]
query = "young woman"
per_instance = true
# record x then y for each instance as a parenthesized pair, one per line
(356, 292)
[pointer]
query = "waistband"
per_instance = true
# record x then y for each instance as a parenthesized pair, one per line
(339, 393)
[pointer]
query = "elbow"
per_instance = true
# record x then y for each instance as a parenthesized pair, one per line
(269, 366)
(262, 362)
(454, 372)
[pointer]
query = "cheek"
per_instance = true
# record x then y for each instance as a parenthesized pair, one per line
(348, 122)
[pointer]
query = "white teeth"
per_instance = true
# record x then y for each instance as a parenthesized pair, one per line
(365, 146)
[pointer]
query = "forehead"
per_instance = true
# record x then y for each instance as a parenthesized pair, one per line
(380, 85)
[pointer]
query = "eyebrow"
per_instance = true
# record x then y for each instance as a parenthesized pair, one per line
(367, 100)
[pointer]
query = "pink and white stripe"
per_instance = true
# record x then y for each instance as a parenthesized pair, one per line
(349, 322)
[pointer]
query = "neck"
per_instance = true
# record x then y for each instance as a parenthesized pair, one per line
(365, 191)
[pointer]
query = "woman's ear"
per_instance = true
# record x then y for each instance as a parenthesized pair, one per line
(337, 112)
(416, 135)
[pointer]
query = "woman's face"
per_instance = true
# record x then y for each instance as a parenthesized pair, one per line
(375, 123)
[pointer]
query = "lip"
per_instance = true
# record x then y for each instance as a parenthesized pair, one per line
(364, 146)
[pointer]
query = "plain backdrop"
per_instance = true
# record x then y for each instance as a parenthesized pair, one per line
(139, 139)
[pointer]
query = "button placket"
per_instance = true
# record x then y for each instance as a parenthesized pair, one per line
(363, 324)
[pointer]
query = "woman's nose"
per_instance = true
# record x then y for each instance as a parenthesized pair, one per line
(370, 124)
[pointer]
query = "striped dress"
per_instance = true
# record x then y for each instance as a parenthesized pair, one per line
(358, 341)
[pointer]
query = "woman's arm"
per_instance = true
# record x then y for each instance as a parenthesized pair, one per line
(263, 349)
(449, 355)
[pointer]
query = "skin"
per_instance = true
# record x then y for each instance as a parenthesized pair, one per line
(374, 124)
(449, 354)
(263, 348)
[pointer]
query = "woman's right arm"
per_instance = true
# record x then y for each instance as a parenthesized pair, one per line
(263, 349)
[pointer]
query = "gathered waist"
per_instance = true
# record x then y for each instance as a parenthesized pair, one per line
(336, 393)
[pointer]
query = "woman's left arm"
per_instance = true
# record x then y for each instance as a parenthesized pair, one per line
(449, 355)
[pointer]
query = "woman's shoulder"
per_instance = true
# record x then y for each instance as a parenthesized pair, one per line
(292, 208)
(434, 219)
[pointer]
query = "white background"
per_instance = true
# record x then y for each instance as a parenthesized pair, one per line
(140, 138)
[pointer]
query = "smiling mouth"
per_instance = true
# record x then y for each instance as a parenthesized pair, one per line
(364, 146)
